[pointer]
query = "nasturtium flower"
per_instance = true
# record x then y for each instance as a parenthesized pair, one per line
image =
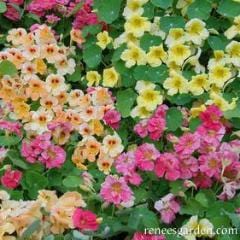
(134, 7)
(156, 56)
(144, 85)
(218, 58)
(175, 36)
(76, 36)
(141, 112)
(219, 75)
(149, 99)
(178, 53)
(93, 78)
(133, 55)
(196, 31)
(196, 228)
(199, 84)
(55, 84)
(137, 25)
(103, 39)
(233, 53)
(110, 77)
(176, 83)
(234, 30)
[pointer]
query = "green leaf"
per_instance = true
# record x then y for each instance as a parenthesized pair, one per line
(7, 68)
(180, 99)
(153, 74)
(229, 8)
(218, 42)
(199, 9)
(177, 187)
(35, 226)
(9, 140)
(202, 199)
(125, 101)
(76, 76)
(92, 56)
(17, 160)
(72, 181)
(3, 7)
(79, 236)
(192, 207)
(149, 40)
(162, 3)
(235, 218)
(91, 29)
(194, 123)
(174, 119)
(171, 22)
(148, 10)
(234, 113)
(108, 10)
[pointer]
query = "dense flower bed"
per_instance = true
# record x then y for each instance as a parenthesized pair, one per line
(119, 118)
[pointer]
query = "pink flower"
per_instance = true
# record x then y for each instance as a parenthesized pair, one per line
(143, 236)
(3, 153)
(13, 127)
(12, 13)
(211, 117)
(112, 118)
(11, 178)
(125, 163)
(39, 7)
(187, 144)
(167, 207)
(51, 18)
(167, 165)
(210, 164)
(85, 220)
(53, 156)
(188, 166)
(229, 190)
(201, 180)
(141, 129)
(145, 156)
(115, 190)
(155, 127)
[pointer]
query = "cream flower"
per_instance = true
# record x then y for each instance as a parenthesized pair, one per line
(175, 36)
(178, 53)
(156, 56)
(112, 145)
(55, 84)
(65, 66)
(234, 30)
(233, 53)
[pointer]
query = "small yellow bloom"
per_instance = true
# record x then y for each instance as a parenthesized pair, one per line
(219, 58)
(233, 51)
(93, 78)
(141, 112)
(156, 56)
(183, 5)
(134, 7)
(196, 31)
(179, 53)
(149, 99)
(175, 36)
(110, 77)
(103, 39)
(198, 84)
(233, 30)
(144, 85)
(196, 110)
(176, 83)
(219, 75)
(133, 55)
(137, 25)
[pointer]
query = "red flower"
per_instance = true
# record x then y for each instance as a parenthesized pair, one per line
(11, 178)
(85, 220)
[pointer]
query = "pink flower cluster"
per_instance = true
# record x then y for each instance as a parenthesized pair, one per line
(12, 13)
(43, 150)
(168, 207)
(154, 126)
(143, 236)
(112, 118)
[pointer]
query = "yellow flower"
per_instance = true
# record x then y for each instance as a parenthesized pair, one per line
(219, 58)
(196, 110)
(141, 112)
(93, 77)
(149, 99)
(40, 66)
(156, 56)
(133, 55)
(128, 38)
(103, 39)
(137, 25)
(219, 75)
(110, 77)
(222, 103)
(196, 31)
(198, 84)
(233, 50)
(134, 7)
(233, 30)
(144, 85)
(175, 36)
(183, 5)
(179, 53)
(176, 83)
(194, 228)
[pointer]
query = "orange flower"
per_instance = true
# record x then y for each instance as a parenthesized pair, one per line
(36, 89)
(76, 36)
